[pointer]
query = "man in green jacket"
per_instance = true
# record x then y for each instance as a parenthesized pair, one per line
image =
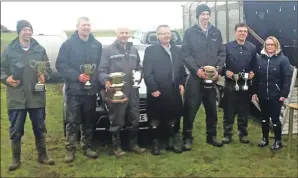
(20, 79)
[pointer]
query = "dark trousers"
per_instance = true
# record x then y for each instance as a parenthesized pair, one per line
(119, 111)
(17, 118)
(170, 127)
(271, 109)
(80, 116)
(235, 102)
(195, 94)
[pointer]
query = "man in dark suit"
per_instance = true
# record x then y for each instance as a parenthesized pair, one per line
(164, 76)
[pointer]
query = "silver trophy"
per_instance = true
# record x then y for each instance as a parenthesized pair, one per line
(39, 67)
(245, 76)
(88, 69)
(236, 78)
(210, 73)
(137, 77)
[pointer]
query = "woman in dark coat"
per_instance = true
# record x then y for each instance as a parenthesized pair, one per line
(271, 88)
(164, 76)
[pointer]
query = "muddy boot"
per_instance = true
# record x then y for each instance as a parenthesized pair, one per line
(70, 156)
(16, 155)
(133, 143)
(177, 146)
(90, 153)
(42, 153)
(187, 137)
(244, 139)
(227, 140)
(117, 145)
(213, 141)
(265, 132)
(277, 134)
(155, 147)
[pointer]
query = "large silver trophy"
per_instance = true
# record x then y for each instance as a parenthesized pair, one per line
(210, 73)
(245, 76)
(88, 69)
(236, 78)
(137, 77)
(115, 94)
(39, 67)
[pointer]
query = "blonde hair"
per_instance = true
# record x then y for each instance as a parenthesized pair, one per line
(276, 43)
(82, 18)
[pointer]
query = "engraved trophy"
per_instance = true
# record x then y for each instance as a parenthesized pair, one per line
(88, 69)
(245, 76)
(137, 77)
(236, 78)
(18, 71)
(115, 94)
(210, 73)
(39, 67)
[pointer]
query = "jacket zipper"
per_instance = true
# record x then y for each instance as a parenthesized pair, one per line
(267, 76)
(277, 87)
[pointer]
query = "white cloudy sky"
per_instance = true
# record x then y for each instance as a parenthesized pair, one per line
(103, 15)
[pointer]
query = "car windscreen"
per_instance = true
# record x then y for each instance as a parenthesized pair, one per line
(175, 38)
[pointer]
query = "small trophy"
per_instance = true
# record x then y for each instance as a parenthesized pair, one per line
(39, 67)
(245, 76)
(116, 95)
(137, 77)
(236, 78)
(210, 73)
(88, 69)
(18, 71)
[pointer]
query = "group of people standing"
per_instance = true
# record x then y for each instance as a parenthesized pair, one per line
(171, 93)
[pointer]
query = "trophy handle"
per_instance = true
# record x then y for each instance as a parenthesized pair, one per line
(93, 67)
(82, 68)
(32, 63)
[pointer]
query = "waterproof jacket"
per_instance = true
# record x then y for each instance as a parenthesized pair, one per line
(200, 49)
(23, 96)
(273, 76)
(117, 59)
(73, 53)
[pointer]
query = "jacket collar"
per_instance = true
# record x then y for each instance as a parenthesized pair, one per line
(77, 37)
(264, 53)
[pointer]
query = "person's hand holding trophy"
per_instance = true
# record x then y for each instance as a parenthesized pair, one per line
(114, 87)
(210, 75)
(40, 68)
(87, 71)
(137, 77)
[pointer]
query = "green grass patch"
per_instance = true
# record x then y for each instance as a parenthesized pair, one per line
(234, 160)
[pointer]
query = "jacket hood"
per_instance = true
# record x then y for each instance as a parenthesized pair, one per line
(76, 36)
(277, 53)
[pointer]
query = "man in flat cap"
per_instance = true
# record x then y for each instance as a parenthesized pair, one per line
(20, 79)
(202, 47)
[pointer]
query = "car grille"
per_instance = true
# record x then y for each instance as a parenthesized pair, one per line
(143, 104)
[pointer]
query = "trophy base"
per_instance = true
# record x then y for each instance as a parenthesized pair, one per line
(87, 85)
(118, 99)
(208, 84)
(237, 88)
(245, 88)
(39, 87)
(135, 86)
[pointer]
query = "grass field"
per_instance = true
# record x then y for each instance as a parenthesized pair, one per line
(234, 160)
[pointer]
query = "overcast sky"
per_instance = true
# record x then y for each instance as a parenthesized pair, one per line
(103, 15)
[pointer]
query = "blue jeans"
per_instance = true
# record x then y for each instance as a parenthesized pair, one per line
(17, 118)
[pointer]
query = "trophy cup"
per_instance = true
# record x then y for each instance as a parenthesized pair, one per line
(210, 73)
(245, 76)
(39, 67)
(88, 69)
(236, 78)
(137, 77)
(116, 95)
(17, 71)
